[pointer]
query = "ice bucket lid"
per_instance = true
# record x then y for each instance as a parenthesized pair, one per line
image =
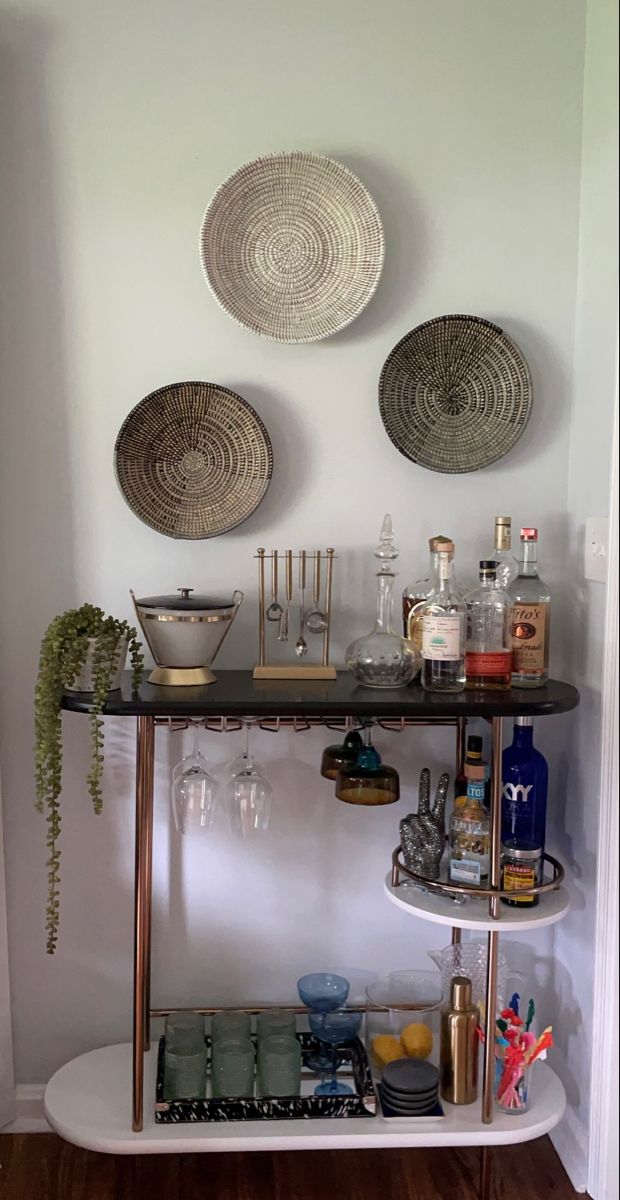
(185, 601)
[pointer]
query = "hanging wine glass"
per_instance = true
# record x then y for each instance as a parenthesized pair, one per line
(193, 792)
(248, 796)
(368, 780)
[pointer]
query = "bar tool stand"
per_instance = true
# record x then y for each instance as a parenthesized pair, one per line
(316, 622)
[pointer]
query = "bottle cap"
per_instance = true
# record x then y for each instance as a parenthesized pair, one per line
(503, 521)
(529, 535)
(526, 722)
(488, 567)
(441, 543)
(474, 744)
(460, 993)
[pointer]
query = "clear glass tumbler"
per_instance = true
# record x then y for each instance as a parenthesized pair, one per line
(230, 1024)
(185, 1029)
(232, 1067)
(185, 1073)
(275, 1021)
(279, 1066)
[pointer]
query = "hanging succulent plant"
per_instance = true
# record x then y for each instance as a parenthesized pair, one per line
(69, 641)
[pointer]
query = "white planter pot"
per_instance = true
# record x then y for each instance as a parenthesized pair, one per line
(84, 681)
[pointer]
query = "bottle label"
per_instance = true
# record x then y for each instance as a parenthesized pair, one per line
(465, 871)
(497, 663)
(516, 877)
(530, 624)
(442, 638)
(475, 790)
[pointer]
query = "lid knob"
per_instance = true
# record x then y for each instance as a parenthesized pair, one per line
(185, 592)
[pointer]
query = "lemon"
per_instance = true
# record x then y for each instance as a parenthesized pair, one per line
(386, 1048)
(417, 1040)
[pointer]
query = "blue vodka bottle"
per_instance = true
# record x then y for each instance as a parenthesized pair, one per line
(524, 789)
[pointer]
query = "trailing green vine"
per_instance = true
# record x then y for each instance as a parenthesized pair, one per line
(64, 649)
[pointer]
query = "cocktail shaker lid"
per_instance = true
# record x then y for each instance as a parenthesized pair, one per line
(460, 993)
(184, 600)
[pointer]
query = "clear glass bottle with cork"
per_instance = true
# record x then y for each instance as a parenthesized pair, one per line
(531, 606)
(417, 592)
(507, 566)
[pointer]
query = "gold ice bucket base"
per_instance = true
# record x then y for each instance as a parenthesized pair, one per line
(182, 676)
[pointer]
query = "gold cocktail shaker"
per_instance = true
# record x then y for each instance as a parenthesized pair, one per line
(459, 1044)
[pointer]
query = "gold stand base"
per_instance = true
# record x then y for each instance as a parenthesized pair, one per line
(182, 676)
(268, 672)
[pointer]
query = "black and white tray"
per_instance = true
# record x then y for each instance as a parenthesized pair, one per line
(354, 1070)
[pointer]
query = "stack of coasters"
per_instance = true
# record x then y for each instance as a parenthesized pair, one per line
(410, 1087)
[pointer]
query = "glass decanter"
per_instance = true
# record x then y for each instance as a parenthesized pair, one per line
(383, 659)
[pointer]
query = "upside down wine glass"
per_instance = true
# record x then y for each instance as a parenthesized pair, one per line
(193, 792)
(248, 796)
(334, 1028)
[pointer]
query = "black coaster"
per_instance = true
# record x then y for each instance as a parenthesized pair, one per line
(410, 1076)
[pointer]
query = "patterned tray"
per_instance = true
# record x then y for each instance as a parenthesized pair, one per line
(356, 1071)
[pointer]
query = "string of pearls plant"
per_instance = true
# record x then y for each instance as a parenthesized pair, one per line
(63, 654)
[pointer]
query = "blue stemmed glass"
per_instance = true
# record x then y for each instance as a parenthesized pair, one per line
(334, 1028)
(322, 992)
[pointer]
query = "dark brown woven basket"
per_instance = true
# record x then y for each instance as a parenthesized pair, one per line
(193, 460)
(455, 394)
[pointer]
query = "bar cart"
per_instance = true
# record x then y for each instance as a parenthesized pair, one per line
(87, 1100)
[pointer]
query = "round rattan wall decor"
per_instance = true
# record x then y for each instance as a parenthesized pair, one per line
(193, 460)
(292, 246)
(455, 394)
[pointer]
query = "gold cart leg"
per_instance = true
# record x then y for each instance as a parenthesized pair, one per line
(486, 1173)
(456, 936)
(148, 887)
(461, 729)
(145, 755)
(494, 911)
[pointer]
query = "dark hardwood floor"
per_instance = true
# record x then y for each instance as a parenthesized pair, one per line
(42, 1167)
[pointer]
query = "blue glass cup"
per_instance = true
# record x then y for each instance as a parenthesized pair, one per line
(322, 992)
(334, 1028)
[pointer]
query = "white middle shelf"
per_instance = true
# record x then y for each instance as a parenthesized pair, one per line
(430, 906)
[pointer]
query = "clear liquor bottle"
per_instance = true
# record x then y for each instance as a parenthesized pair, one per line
(507, 565)
(530, 613)
(443, 630)
(416, 593)
(488, 651)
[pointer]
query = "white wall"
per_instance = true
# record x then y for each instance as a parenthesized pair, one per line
(594, 388)
(119, 121)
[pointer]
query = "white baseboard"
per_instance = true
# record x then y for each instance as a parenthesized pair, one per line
(29, 1116)
(570, 1139)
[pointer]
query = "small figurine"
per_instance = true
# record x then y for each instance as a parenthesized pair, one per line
(423, 834)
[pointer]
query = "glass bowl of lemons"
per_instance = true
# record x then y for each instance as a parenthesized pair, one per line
(403, 1018)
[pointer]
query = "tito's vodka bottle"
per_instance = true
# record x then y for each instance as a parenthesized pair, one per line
(443, 630)
(531, 601)
(507, 567)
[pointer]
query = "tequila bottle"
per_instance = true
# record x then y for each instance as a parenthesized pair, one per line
(507, 566)
(488, 653)
(443, 630)
(531, 602)
(416, 593)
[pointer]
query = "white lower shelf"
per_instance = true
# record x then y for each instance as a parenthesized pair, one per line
(431, 906)
(88, 1102)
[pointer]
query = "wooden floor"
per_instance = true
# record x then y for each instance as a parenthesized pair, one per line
(42, 1167)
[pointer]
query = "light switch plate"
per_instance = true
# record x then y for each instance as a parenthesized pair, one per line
(596, 549)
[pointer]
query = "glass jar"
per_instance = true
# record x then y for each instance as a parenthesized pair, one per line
(382, 658)
(403, 1013)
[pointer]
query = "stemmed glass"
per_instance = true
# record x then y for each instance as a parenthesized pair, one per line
(322, 992)
(193, 792)
(335, 1027)
(248, 795)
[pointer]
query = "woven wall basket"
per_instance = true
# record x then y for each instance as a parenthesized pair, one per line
(193, 460)
(292, 246)
(455, 394)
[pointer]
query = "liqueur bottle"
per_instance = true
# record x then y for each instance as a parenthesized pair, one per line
(531, 602)
(416, 593)
(443, 630)
(501, 554)
(469, 839)
(474, 769)
(488, 653)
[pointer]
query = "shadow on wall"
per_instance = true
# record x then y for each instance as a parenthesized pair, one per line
(37, 577)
